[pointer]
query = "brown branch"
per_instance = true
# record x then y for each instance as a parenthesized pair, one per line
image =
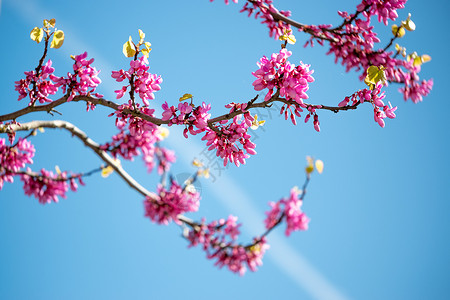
(50, 107)
(59, 178)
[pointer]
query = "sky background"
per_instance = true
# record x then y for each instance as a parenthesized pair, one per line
(379, 213)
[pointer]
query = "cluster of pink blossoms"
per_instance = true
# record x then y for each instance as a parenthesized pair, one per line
(376, 98)
(128, 146)
(47, 186)
(386, 9)
(189, 115)
(136, 125)
(14, 158)
(277, 72)
(289, 209)
(83, 81)
(353, 44)
(144, 83)
(413, 88)
(167, 204)
(218, 240)
(37, 86)
(229, 136)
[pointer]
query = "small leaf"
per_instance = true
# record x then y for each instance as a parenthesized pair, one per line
(426, 58)
(37, 34)
(145, 52)
(409, 24)
(58, 39)
(141, 35)
(163, 132)
(319, 166)
(185, 97)
(291, 39)
(128, 48)
(374, 75)
(107, 171)
(49, 23)
(398, 31)
(310, 166)
(417, 61)
(256, 123)
(197, 163)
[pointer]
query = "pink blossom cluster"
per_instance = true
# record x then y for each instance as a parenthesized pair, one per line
(353, 44)
(386, 9)
(47, 186)
(413, 88)
(381, 111)
(13, 158)
(136, 125)
(277, 72)
(218, 240)
(188, 115)
(289, 209)
(128, 146)
(83, 81)
(229, 136)
(167, 204)
(144, 83)
(37, 86)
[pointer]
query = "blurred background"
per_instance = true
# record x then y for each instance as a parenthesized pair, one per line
(379, 212)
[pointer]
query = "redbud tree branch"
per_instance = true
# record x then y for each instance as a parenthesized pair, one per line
(107, 103)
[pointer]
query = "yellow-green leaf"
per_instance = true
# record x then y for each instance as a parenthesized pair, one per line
(310, 166)
(409, 24)
(319, 166)
(145, 52)
(426, 58)
(107, 171)
(398, 31)
(417, 61)
(141, 36)
(58, 39)
(256, 123)
(185, 97)
(37, 34)
(197, 163)
(291, 39)
(163, 132)
(374, 75)
(128, 48)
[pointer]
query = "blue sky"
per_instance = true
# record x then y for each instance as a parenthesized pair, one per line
(379, 213)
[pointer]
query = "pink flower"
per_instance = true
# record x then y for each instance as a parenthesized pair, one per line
(40, 88)
(289, 209)
(165, 206)
(14, 158)
(218, 241)
(277, 72)
(47, 187)
(232, 135)
(144, 83)
(83, 81)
